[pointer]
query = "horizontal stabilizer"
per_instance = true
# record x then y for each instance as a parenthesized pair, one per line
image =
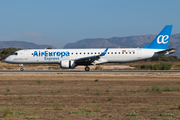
(169, 51)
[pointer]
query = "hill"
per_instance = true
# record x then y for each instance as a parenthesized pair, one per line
(22, 45)
(124, 42)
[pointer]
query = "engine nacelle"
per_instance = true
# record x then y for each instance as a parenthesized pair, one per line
(68, 64)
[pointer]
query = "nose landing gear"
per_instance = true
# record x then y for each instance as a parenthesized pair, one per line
(21, 67)
(87, 68)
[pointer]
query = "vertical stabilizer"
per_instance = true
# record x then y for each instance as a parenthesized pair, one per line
(162, 40)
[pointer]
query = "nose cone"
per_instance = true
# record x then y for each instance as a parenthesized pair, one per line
(6, 60)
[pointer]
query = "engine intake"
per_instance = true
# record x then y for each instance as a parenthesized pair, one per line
(67, 64)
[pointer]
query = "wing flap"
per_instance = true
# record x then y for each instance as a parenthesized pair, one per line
(92, 58)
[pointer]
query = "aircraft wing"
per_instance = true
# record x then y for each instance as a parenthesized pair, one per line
(92, 58)
(167, 51)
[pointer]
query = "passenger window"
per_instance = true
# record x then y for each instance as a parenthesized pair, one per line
(91, 53)
(88, 53)
(71, 53)
(111, 52)
(122, 52)
(79, 53)
(115, 52)
(133, 52)
(84, 53)
(108, 52)
(95, 53)
(98, 52)
(119, 52)
(32, 53)
(126, 52)
(129, 52)
(76, 53)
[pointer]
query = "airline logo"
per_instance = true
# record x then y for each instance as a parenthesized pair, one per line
(162, 39)
(50, 55)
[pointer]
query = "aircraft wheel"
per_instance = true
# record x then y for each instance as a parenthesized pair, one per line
(21, 69)
(87, 68)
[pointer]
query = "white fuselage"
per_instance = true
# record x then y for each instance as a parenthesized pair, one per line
(55, 56)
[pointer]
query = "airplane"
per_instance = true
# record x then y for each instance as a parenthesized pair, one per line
(70, 58)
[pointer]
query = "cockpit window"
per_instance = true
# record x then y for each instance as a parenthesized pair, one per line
(15, 53)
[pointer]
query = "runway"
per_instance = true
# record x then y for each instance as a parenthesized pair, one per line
(90, 72)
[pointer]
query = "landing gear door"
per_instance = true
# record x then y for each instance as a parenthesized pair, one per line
(139, 52)
(26, 52)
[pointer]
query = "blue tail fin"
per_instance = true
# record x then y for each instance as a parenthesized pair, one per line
(162, 40)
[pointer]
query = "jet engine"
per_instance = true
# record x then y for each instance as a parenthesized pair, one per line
(67, 64)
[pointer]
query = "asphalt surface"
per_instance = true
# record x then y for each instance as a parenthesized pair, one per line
(89, 72)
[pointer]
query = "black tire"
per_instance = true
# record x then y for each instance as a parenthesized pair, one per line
(87, 68)
(21, 69)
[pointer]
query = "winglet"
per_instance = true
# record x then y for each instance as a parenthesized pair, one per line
(102, 54)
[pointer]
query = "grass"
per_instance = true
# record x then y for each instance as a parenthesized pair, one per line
(166, 114)
(62, 81)
(94, 101)
(87, 89)
(1, 110)
(132, 114)
(97, 92)
(56, 105)
(156, 118)
(20, 97)
(82, 112)
(31, 117)
(42, 101)
(7, 112)
(179, 106)
(110, 97)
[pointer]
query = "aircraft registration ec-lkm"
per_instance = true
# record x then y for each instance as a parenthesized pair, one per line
(70, 58)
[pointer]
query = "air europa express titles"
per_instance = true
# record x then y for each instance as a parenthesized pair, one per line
(49, 54)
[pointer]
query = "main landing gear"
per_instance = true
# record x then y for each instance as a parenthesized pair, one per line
(87, 68)
(21, 67)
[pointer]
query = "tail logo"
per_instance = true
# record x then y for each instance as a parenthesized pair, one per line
(163, 39)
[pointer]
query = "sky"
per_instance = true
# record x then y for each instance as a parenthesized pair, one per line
(58, 22)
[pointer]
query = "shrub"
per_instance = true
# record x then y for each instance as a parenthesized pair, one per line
(38, 81)
(8, 90)
(158, 66)
(96, 80)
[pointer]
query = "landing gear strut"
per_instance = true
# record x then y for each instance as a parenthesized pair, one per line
(21, 67)
(87, 68)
